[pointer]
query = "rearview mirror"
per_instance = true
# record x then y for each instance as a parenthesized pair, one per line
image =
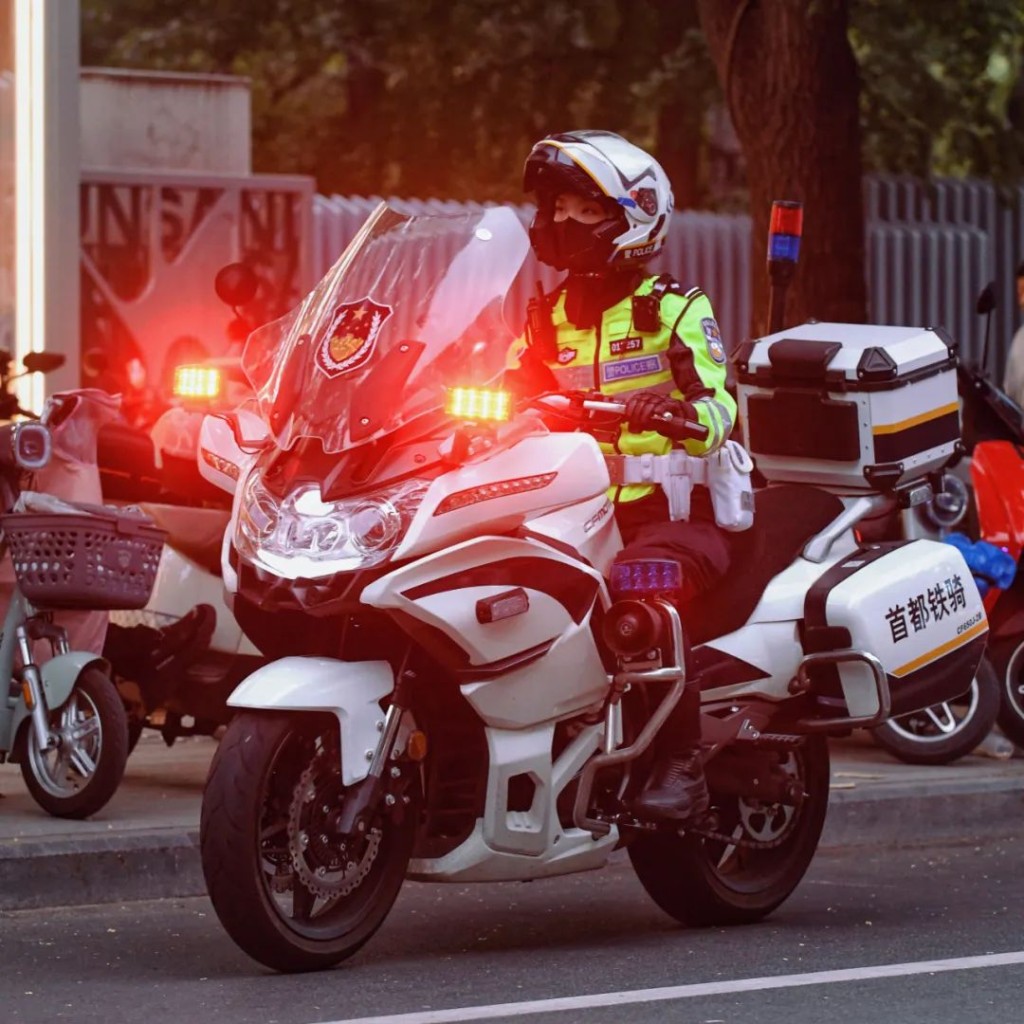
(43, 362)
(236, 284)
(986, 299)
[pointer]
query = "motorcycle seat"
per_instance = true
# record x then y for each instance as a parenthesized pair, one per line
(786, 517)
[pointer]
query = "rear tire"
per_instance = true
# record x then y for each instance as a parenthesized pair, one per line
(918, 738)
(701, 881)
(1008, 657)
(79, 776)
(273, 782)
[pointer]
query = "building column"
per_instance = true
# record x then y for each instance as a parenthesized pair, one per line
(46, 186)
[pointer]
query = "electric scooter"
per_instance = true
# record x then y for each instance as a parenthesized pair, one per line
(62, 720)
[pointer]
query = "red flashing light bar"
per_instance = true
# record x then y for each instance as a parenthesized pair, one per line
(787, 218)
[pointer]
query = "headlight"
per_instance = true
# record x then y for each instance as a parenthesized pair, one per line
(304, 536)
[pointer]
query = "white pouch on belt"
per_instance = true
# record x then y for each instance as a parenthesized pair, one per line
(728, 480)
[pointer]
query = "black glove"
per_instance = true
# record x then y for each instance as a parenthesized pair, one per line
(531, 377)
(646, 409)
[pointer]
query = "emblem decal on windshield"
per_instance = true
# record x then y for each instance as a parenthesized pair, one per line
(348, 343)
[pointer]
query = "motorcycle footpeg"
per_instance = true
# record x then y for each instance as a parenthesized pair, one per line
(705, 822)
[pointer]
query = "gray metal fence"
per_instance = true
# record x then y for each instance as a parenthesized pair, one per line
(931, 247)
(945, 239)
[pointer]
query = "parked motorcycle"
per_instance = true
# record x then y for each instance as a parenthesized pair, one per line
(978, 499)
(466, 686)
(176, 660)
(62, 721)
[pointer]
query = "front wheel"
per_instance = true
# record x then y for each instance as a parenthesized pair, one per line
(80, 773)
(291, 893)
(756, 858)
(944, 733)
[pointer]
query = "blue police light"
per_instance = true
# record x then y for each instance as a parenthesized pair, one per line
(642, 577)
(784, 248)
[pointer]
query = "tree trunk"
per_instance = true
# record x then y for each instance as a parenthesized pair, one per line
(793, 88)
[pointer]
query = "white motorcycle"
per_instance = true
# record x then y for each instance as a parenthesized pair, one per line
(466, 687)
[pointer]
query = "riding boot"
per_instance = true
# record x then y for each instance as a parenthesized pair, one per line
(676, 789)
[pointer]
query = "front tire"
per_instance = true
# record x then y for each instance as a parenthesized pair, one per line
(77, 777)
(946, 732)
(290, 894)
(702, 881)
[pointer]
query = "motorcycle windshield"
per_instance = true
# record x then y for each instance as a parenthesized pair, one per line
(413, 306)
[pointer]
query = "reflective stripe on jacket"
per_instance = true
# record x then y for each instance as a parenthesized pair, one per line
(684, 358)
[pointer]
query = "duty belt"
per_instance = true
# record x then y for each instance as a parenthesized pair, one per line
(656, 469)
(675, 472)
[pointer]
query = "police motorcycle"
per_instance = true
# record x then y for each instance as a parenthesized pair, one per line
(465, 686)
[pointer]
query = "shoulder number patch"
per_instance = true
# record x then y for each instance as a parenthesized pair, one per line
(713, 336)
(619, 346)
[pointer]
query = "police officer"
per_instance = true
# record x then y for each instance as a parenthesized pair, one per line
(603, 210)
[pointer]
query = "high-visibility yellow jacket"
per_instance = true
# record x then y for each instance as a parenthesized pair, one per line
(684, 358)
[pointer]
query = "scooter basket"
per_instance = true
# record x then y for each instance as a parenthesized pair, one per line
(105, 560)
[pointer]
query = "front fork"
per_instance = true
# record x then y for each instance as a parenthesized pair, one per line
(32, 692)
(362, 802)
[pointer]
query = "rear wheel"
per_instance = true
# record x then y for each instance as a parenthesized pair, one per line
(944, 733)
(288, 890)
(1009, 661)
(77, 776)
(758, 856)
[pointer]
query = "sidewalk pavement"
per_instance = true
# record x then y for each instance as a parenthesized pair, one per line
(144, 844)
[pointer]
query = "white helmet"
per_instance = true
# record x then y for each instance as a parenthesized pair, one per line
(603, 166)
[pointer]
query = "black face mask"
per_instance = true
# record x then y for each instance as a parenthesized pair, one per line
(571, 245)
(577, 246)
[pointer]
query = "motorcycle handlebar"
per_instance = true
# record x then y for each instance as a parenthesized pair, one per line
(675, 427)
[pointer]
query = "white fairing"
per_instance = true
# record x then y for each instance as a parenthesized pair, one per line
(351, 691)
(508, 845)
(589, 528)
(555, 470)
(442, 591)
(221, 461)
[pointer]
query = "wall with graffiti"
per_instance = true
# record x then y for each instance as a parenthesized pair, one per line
(151, 246)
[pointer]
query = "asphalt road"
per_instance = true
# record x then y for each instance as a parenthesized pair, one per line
(589, 941)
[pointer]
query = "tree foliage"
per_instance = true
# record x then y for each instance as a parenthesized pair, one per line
(942, 86)
(444, 97)
(424, 97)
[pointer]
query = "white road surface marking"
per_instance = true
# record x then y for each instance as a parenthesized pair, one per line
(709, 988)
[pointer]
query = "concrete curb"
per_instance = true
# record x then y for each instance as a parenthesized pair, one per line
(164, 863)
(957, 810)
(112, 868)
